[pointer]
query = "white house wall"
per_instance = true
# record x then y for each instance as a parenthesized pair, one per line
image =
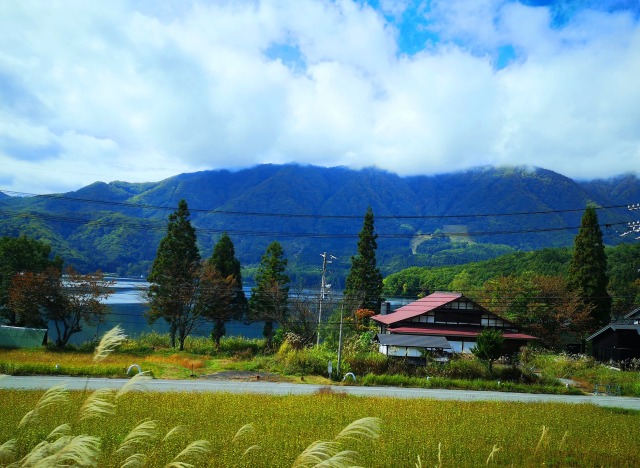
(400, 351)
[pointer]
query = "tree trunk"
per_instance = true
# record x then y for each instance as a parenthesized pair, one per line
(172, 334)
(267, 332)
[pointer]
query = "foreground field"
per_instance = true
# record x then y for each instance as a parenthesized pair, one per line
(440, 433)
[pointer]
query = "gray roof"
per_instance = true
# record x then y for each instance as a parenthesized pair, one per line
(633, 314)
(615, 327)
(413, 341)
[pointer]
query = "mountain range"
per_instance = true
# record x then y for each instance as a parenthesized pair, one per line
(421, 220)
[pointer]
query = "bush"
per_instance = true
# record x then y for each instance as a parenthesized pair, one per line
(307, 361)
(368, 363)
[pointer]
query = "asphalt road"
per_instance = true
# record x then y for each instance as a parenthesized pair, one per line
(279, 388)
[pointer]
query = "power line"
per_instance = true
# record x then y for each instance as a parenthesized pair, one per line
(299, 215)
(147, 225)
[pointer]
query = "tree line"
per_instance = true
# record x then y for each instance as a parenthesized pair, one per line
(560, 305)
(187, 292)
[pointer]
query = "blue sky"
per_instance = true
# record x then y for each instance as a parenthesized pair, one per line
(140, 91)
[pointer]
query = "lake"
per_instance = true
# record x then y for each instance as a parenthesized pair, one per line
(127, 309)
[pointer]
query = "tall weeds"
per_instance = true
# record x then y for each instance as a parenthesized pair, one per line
(68, 445)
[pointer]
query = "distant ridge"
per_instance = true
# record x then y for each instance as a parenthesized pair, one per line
(117, 226)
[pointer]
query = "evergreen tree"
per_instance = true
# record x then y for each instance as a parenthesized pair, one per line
(269, 298)
(224, 260)
(588, 268)
(363, 288)
(174, 276)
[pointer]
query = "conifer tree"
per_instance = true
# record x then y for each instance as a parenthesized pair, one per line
(588, 268)
(269, 298)
(224, 260)
(363, 288)
(174, 275)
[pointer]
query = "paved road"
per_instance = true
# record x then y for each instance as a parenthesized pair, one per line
(279, 388)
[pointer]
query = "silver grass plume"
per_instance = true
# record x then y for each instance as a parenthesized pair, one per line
(54, 395)
(98, 404)
(364, 428)
(42, 451)
(564, 440)
(543, 438)
(343, 459)
(251, 449)
(60, 431)
(134, 461)
(244, 430)
(135, 383)
(139, 436)
(178, 464)
(197, 449)
(7, 450)
(494, 450)
(174, 432)
(110, 341)
(82, 450)
(316, 453)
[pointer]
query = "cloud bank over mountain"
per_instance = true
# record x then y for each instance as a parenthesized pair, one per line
(140, 91)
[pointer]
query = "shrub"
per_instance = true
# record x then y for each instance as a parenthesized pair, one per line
(368, 363)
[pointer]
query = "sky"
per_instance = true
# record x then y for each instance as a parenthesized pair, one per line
(140, 90)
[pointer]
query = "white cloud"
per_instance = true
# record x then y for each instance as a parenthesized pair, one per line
(140, 92)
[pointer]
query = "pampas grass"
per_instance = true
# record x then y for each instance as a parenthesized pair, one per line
(109, 342)
(98, 404)
(62, 448)
(53, 396)
(329, 453)
(139, 437)
(197, 450)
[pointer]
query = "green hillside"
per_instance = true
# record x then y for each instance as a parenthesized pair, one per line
(437, 220)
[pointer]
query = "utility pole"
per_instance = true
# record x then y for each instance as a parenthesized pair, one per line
(340, 342)
(323, 287)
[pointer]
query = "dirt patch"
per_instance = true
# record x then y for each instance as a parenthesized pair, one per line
(244, 376)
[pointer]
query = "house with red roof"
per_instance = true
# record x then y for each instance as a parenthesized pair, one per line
(443, 322)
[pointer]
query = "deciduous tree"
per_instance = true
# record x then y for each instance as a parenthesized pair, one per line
(541, 305)
(20, 255)
(76, 300)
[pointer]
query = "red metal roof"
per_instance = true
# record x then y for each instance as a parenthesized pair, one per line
(461, 331)
(419, 307)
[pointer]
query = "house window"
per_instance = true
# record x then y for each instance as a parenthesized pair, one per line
(452, 316)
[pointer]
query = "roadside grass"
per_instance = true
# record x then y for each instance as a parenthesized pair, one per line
(437, 433)
(586, 371)
(152, 352)
(466, 384)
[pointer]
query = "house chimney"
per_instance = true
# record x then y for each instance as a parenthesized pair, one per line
(385, 308)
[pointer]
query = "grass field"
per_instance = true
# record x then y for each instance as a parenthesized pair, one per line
(441, 433)
(132, 429)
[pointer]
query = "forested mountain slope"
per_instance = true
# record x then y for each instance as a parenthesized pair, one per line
(421, 220)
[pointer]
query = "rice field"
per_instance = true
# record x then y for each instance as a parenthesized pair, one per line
(277, 429)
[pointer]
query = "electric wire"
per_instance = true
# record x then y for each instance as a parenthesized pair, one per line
(300, 215)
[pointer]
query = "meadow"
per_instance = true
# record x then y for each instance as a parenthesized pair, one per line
(276, 429)
(132, 427)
